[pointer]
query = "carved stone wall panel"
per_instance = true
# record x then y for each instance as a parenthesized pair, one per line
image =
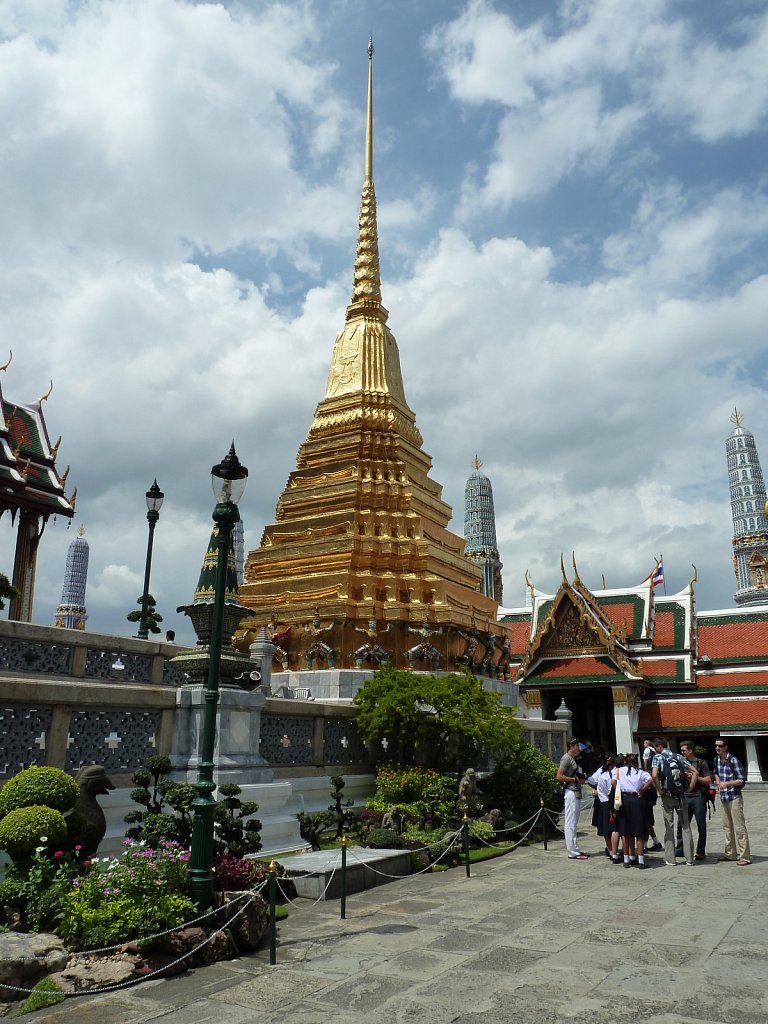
(342, 742)
(118, 666)
(540, 742)
(22, 738)
(31, 656)
(173, 675)
(286, 739)
(120, 740)
(558, 746)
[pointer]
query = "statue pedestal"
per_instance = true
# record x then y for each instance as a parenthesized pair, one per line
(236, 755)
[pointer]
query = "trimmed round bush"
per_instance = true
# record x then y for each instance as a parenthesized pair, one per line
(22, 830)
(383, 839)
(39, 786)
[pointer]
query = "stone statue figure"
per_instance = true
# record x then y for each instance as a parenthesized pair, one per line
(489, 643)
(502, 666)
(318, 649)
(469, 802)
(393, 819)
(275, 636)
(93, 781)
(473, 639)
(424, 650)
(371, 651)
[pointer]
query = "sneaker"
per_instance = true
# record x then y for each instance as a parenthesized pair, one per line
(671, 863)
(578, 856)
(689, 863)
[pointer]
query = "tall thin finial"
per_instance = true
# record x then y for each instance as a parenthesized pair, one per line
(736, 418)
(369, 117)
(477, 461)
(366, 286)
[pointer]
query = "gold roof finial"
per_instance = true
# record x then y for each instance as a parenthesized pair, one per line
(530, 585)
(562, 570)
(694, 578)
(55, 449)
(736, 418)
(369, 117)
(603, 578)
(366, 287)
(64, 476)
(73, 500)
(46, 396)
(476, 462)
(576, 578)
(10, 357)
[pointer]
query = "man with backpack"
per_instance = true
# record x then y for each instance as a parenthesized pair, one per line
(730, 779)
(673, 775)
(698, 799)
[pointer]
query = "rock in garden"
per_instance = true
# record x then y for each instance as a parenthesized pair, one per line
(86, 973)
(26, 958)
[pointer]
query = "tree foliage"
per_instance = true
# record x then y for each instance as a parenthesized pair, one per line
(153, 616)
(7, 590)
(435, 720)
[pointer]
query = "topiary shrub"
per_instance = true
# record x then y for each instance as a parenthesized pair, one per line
(521, 780)
(25, 828)
(45, 787)
(383, 839)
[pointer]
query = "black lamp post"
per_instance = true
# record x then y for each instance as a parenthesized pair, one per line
(154, 504)
(228, 479)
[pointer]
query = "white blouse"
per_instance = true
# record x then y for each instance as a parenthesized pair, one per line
(634, 782)
(602, 782)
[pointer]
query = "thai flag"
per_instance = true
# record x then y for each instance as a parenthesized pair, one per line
(657, 576)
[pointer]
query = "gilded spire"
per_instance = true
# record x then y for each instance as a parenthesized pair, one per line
(366, 287)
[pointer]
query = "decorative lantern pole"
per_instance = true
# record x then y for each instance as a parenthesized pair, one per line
(154, 504)
(228, 479)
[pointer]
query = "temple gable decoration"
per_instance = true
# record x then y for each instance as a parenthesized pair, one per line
(576, 627)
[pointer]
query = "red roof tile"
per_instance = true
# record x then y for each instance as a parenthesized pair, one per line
(691, 714)
(728, 639)
(731, 679)
(664, 629)
(573, 667)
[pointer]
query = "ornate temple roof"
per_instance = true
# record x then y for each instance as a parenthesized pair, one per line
(28, 475)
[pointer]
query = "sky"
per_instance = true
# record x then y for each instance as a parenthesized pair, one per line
(573, 228)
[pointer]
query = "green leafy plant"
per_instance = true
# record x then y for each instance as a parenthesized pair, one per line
(152, 619)
(7, 590)
(521, 780)
(237, 832)
(42, 786)
(25, 828)
(138, 896)
(35, 892)
(425, 795)
(434, 720)
(383, 839)
(311, 826)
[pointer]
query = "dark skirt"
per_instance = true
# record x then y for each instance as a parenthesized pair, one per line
(604, 824)
(596, 805)
(632, 817)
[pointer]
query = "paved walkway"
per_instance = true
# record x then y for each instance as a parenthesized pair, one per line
(531, 938)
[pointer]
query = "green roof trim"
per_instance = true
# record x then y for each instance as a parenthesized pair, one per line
(723, 620)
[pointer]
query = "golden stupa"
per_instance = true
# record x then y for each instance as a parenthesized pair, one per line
(360, 530)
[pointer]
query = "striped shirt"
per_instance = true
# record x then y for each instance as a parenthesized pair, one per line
(728, 770)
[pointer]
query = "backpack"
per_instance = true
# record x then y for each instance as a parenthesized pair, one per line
(672, 775)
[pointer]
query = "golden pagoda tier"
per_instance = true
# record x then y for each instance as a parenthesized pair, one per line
(360, 529)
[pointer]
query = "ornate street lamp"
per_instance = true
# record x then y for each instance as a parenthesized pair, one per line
(154, 504)
(228, 479)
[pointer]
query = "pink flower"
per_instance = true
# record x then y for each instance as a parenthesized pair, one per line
(59, 853)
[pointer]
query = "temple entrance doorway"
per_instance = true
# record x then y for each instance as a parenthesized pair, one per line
(592, 710)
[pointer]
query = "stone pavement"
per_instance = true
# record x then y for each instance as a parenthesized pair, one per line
(530, 938)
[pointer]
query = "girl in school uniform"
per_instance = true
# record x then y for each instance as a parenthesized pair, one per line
(633, 823)
(603, 783)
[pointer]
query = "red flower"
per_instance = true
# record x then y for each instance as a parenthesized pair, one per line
(59, 853)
